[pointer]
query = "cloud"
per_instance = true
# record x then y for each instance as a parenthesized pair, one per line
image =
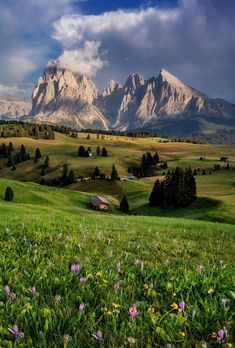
(194, 40)
(85, 60)
(16, 90)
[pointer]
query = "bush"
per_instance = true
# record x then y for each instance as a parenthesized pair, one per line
(9, 195)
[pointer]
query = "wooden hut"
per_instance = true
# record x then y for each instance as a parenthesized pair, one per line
(99, 203)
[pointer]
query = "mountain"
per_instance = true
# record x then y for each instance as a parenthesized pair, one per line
(12, 108)
(162, 104)
(149, 104)
(65, 98)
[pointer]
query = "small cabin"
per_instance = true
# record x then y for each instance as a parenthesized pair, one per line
(99, 203)
(224, 158)
(202, 158)
(132, 177)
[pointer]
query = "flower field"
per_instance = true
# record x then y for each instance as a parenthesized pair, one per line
(70, 281)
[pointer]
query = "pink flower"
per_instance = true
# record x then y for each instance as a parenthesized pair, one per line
(75, 268)
(83, 280)
(33, 291)
(182, 306)
(98, 336)
(7, 290)
(133, 312)
(81, 307)
(15, 332)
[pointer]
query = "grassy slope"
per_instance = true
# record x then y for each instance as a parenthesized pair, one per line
(216, 192)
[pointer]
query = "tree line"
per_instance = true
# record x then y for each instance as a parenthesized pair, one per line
(9, 129)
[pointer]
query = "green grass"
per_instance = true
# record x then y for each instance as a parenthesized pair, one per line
(182, 258)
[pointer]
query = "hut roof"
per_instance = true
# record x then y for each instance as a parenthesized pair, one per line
(98, 200)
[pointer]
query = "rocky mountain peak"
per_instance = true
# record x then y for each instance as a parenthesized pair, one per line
(134, 81)
(112, 86)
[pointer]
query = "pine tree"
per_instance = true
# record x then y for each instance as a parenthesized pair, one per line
(124, 205)
(46, 163)
(98, 151)
(156, 158)
(157, 194)
(65, 174)
(104, 152)
(71, 177)
(9, 162)
(37, 155)
(88, 136)
(81, 151)
(22, 155)
(114, 173)
(96, 172)
(9, 195)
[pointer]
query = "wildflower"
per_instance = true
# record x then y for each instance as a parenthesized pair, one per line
(33, 291)
(117, 286)
(131, 340)
(146, 286)
(200, 268)
(174, 294)
(81, 307)
(58, 298)
(210, 291)
(118, 266)
(224, 302)
(83, 280)
(203, 345)
(182, 334)
(98, 336)
(151, 309)
(133, 312)
(151, 286)
(7, 290)
(220, 334)
(182, 306)
(193, 313)
(67, 339)
(75, 268)
(174, 306)
(115, 305)
(15, 332)
(169, 345)
(99, 274)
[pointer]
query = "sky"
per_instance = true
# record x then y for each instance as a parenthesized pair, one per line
(111, 39)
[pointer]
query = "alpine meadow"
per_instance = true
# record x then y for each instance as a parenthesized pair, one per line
(117, 174)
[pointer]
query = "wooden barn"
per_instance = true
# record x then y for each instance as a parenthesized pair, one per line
(99, 203)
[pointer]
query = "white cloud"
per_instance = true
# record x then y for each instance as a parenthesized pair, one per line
(83, 60)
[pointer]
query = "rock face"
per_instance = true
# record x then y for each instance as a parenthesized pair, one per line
(62, 97)
(141, 103)
(159, 103)
(13, 108)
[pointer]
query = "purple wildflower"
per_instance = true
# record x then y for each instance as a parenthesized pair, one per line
(75, 268)
(98, 336)
(33, 291)
(224, 302)
(83, 280)
(203, 345)
(221, 334)
(15, 332)
(67, 339)
(7, 290)
(133, 312)
(151, 286)
(182, 306)
(81, 307)
(118, 266)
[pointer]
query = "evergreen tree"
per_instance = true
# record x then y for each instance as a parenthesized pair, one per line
(65, 173)
(156, 158)
(227, 166)
(157, 194)
(9, 162)
(37, 155)
(10, 147)
(81, 151)
(9, 195)
(71, 177)
(104, 152)
(203, 172)
(96, 172)
(114, 173)
(22, 155)
(46, 163)
(98, 151)
(88, 136)
(124, 205)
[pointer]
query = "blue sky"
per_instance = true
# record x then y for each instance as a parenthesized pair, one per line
(110, 39)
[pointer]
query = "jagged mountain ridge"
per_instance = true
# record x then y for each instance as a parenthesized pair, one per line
(12, 108)
(159, 103)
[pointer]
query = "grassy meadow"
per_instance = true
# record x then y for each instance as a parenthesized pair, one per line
(72, 277)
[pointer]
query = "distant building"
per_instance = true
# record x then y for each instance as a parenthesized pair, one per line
(202, 158)
(132, 177)
(224, 158)
(122, 178)
(99, 203)
(89, 153)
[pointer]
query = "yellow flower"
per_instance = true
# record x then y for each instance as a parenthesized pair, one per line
(146, 286)
(99, 274)
(174, 294)
(214, 335)
(104, 309)
(151, 309)
(109, 313)
(228, 345)
(210, 291)
(182, 334)
(174, 306)
(116, 306)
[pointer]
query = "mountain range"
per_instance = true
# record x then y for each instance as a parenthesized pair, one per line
(162, 104)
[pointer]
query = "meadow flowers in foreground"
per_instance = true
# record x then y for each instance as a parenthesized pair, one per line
(136, 296)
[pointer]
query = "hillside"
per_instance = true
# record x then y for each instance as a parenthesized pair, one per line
(216, 192)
